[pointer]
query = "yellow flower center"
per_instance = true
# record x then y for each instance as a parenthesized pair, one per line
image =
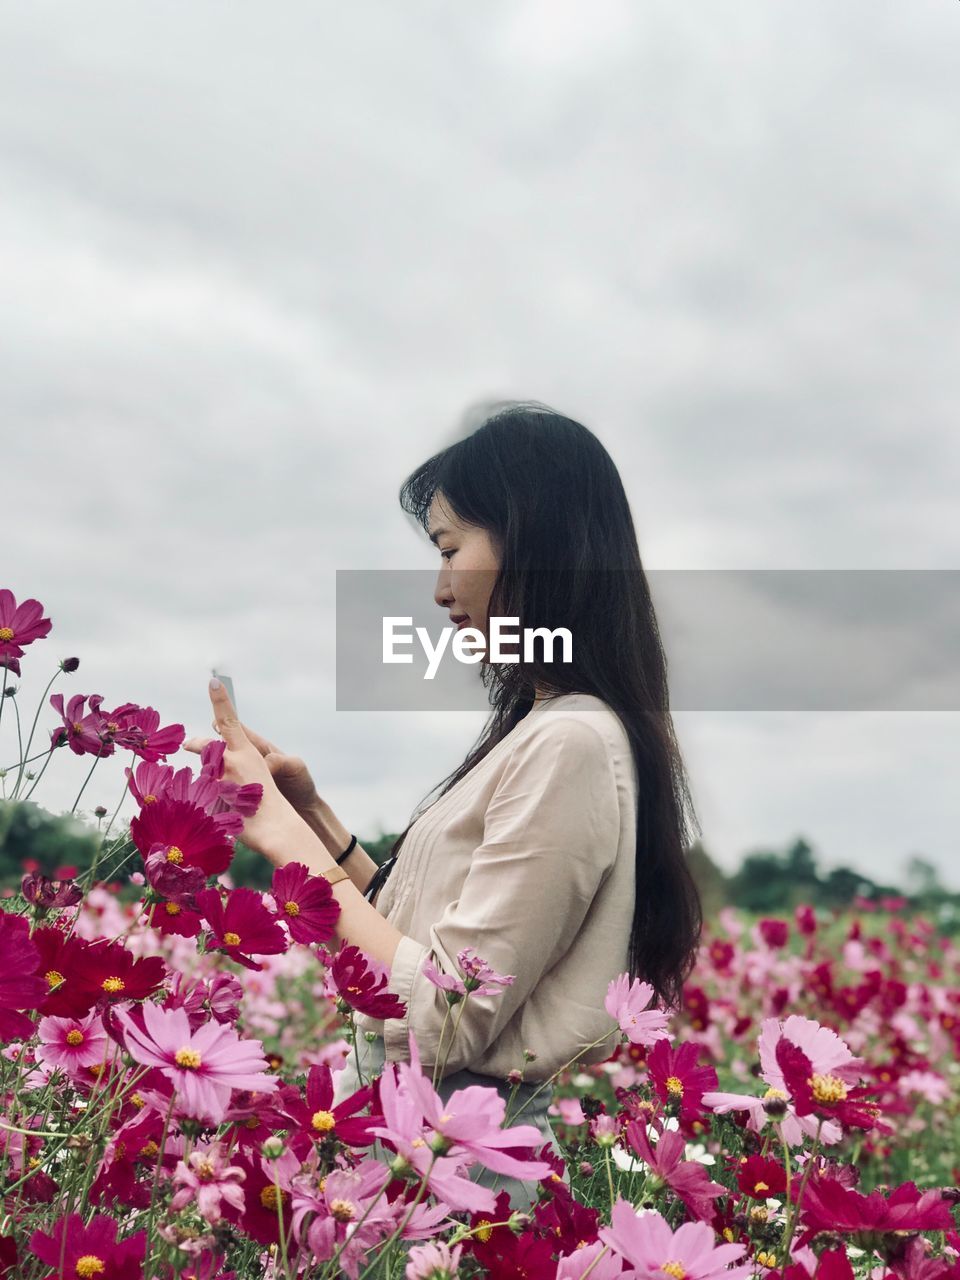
(89, 1265)
(149, 799)
(138, 1100)
(760, 1186)
(77, 727)
(343, 1210)
(188, 1058)
(673, 1269)
(323, 1121)
(175, 855)
(251, 1122)
(773, 1093)
(6, 635)
(113, 985)
(54, 979)
(150, 1149)
(728, 1234)
(827, 1088)
(205, 1170)
(74, 1037)
(269, 1197)
(484, 1230)
(172, 908)
(292, 908)
(674, 1086)
(232, 939)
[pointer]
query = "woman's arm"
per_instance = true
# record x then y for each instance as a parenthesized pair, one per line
(324, 822)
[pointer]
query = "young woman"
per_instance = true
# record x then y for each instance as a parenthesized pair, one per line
(556, 851)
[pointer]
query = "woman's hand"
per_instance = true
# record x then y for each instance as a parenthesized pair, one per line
(246, 761)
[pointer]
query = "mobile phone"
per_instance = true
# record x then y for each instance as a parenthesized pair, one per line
(227, 684)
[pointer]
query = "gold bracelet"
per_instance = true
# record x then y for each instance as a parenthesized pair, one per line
(335, 875)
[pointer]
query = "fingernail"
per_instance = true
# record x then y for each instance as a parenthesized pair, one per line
(215, 683)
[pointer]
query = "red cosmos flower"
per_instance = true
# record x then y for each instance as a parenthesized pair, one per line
(59, 969)
(677, 1078)
(77, 1252)
(21, 986)
(759, 1178)
(168, 916)
(833, 1264)
(19, 625)
(191, 837)
(107, 972)
(314, 1117)
(305, 903)
(83, 732)
(360, 986)
(830, 1206)
(774, 932)
(827, 1095)
(243, 927)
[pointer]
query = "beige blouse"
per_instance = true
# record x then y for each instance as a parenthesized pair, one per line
(529, 861)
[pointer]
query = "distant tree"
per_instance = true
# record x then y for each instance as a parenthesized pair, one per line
(710, 880)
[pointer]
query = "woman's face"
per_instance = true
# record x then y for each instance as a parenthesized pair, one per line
(469, 566)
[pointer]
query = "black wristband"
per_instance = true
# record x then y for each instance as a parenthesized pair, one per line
(347, 851)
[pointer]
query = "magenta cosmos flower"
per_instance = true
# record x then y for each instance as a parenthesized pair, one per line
(648, 1244)
(138, 730)
(242, 926)
(204, 1066)
(91, 1252)
(362, 984)
(677, 1078)
(72, 1043)
(687, 1178)
(305, 903)
(628, 1002)
(191, 837)
(83, 730)
(21, 987)
(20, 625)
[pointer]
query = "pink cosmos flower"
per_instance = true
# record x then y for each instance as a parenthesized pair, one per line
(468, 1125)
(243, 926)
(627, 1002)
(20, 625)
(649, 1245)
(688, 1178)
(305, 903)
(448, 982)
(204, 1066)
(72, 1043)
(350, 1212)
(479, 977)
(78, 1252)
(20, 985)
(206, 1180)
(430, 1261)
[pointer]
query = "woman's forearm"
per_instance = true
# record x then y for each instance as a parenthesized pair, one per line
(359, 923)
(322, 820)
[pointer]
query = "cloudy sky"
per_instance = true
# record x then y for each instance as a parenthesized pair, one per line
(258, 260)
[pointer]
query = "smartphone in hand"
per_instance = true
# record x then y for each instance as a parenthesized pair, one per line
(228, 685)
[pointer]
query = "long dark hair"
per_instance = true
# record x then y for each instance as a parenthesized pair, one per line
(551, 498)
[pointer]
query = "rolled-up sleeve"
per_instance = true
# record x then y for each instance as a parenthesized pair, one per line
(550, 836)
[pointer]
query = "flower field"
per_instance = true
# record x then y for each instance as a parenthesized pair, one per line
(169, 1043)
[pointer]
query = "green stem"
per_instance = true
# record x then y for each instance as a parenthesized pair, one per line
(85, 781)
(550, 1079)
(40, 774)
(33, 729)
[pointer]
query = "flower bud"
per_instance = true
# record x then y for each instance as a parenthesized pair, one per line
(69, 665)
(776, 1108)
(272, 1149)
(100, 811)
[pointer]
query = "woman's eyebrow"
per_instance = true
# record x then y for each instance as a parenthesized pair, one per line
(438, 533)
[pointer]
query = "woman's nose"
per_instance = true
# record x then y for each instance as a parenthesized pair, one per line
(443, 595)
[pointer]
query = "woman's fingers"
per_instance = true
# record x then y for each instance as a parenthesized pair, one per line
(263, 745)
(196, 744)
(225, 716)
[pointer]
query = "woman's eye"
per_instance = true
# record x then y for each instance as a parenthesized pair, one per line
(449, 552)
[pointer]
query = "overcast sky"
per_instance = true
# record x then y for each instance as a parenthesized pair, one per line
(258, 259)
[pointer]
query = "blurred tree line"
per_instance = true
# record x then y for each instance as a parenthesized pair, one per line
(767, 882)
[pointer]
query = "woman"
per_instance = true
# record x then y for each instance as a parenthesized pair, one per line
(556, 850)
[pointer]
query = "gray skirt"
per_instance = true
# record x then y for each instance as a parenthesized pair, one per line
(522, 1194)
